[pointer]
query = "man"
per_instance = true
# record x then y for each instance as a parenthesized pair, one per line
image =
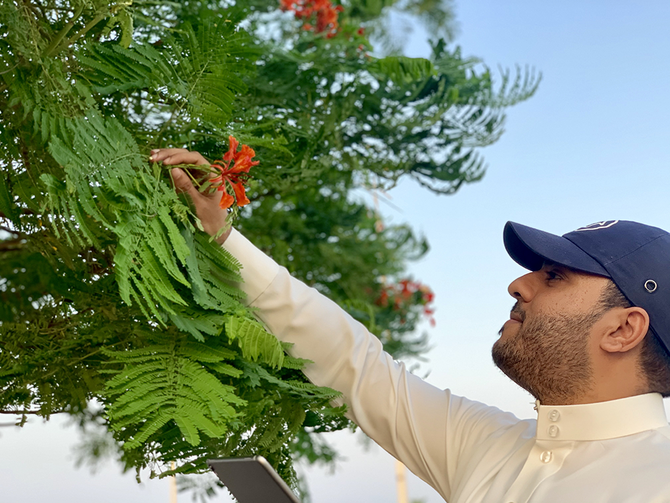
(588, 336)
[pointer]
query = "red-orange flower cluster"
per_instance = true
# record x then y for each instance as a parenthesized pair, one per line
(405, 293)
(326, 14)
(233, 178)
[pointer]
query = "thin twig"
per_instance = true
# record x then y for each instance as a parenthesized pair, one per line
(12, 245)
(23, 212)
(33, 8)
(27, 412)
(83, 358)
(39, 8)
(7, 229)
(7, 71)
(56, 41)
(187, 168)
(91, 24)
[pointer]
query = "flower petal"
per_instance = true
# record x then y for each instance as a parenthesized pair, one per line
(226, 200)
(240, 194)
(232, 149)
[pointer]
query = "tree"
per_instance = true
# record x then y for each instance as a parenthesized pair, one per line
(109, 291)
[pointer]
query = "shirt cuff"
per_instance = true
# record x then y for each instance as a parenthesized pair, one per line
(258, 270)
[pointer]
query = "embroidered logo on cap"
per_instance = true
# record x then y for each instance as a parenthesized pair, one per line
(605, 224)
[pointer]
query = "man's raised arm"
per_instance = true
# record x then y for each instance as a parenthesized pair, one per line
(423, 426)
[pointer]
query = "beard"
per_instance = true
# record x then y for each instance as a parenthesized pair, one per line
(548, 356)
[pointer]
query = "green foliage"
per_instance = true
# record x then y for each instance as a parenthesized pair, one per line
(110, 293)
(170, 382)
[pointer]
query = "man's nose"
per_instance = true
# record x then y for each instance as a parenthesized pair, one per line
(524, 287)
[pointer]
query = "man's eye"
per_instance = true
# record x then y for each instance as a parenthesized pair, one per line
(552, 275)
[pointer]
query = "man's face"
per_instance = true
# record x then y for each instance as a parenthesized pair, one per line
(545, 345)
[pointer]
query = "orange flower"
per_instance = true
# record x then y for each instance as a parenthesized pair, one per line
(326, 14)
(234, 177)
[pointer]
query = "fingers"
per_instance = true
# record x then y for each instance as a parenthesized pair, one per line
(177, 156)
(182, 183)
(207, 207)
(160, 155)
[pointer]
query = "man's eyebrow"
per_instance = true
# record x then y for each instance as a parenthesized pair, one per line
(554, 265)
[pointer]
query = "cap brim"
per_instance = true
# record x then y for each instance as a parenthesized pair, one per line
(531, 248)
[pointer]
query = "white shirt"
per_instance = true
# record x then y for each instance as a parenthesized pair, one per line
(608, 452)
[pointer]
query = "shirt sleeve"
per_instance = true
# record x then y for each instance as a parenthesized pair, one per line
(425, 427)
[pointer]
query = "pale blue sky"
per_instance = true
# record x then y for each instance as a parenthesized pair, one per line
(591, 145)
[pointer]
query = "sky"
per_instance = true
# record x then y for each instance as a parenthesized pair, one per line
(591, 145)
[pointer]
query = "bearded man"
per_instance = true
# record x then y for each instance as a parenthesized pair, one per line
(588, 337)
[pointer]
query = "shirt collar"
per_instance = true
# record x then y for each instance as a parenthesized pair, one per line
(602, 420)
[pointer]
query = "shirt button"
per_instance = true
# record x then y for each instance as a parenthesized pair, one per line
(553, 431)
(546, 456)
(554, 415)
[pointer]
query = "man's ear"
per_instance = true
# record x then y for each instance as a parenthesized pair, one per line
(626, 328)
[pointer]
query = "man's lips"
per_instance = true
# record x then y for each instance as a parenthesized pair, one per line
(517, 314)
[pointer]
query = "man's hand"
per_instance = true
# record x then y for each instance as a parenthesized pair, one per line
(207, 207)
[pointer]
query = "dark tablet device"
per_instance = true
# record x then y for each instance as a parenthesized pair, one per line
(252, 480)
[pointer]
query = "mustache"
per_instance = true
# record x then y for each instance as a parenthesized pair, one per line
(516, 310)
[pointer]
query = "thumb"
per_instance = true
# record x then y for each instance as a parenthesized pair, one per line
(182, 182)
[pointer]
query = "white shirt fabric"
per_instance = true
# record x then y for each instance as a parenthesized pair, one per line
(609, 452)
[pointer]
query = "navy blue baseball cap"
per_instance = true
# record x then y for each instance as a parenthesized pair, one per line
(636, 257)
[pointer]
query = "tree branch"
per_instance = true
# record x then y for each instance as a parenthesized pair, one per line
(38, 7)
(29, 412)
(7, 71)
(23, 212)
(91, 24)
(33, 8)
(7, 229)
(56, 41)
(12, 245)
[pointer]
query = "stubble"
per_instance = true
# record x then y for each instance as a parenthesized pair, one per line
(548, 356)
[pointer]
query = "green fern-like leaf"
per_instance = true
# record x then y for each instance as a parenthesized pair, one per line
(163, 384)
(402, 69)
(254, 341)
